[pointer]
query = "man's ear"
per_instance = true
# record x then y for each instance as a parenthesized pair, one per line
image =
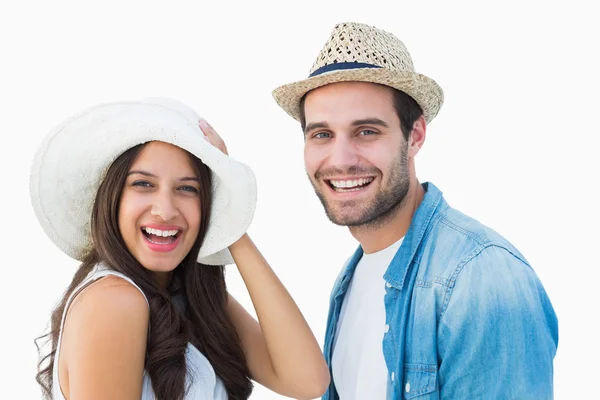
(417, 136)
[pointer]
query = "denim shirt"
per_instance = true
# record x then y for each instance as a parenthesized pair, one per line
(466, 315)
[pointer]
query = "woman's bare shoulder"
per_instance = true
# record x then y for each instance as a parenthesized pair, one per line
(109, 297)
(104, 340)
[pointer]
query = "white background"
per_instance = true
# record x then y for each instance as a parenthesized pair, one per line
(513, 145)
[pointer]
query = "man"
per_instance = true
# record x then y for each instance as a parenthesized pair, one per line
(432, 304)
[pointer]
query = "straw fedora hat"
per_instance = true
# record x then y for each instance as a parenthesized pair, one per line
(358, 52)
(73, 159)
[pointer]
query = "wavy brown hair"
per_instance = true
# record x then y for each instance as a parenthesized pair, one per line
(192, 309)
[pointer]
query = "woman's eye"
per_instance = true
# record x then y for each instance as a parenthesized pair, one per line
(141, 184)
(191, 189)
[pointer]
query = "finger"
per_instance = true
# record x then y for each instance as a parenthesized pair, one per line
(211, 135)
(207, 129)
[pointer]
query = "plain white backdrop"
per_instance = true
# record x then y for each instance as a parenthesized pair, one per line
(513, 145)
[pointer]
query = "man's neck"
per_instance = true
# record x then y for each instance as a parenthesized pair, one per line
(378, 236)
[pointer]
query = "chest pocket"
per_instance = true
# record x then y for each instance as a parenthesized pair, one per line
(420, 381)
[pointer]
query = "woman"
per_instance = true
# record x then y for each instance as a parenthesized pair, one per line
(153, 207)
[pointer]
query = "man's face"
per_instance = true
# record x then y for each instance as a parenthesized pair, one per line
(355, 153)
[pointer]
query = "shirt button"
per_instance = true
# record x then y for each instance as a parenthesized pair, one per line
(393, 376)
(407, 387)
(387, 285)
(387, 328)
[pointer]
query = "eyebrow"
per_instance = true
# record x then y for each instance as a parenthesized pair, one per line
(370, 121)
(315, 125)
(145, 173)
(358, 122)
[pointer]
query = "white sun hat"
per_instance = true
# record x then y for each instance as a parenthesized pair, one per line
(72, 161)
(363, 53)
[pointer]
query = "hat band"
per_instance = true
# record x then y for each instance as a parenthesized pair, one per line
(341, 66)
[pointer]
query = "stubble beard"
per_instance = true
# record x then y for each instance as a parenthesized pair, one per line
(377, 211)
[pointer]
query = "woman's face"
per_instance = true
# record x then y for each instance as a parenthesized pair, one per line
(159, 210)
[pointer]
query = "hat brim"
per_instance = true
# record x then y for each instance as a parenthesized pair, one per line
(73, 159)
(426, 92)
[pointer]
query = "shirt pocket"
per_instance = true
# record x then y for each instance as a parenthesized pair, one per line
(420, 381)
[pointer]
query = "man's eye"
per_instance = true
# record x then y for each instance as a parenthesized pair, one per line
(322, 135)
(367, 132)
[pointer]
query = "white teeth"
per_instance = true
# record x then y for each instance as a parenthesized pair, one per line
(158, 232)
(351, 183)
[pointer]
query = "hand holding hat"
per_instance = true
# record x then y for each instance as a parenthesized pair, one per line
(212, 136)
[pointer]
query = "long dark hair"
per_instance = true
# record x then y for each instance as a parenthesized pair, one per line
(202, 320)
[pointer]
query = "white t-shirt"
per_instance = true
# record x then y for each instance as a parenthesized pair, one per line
(358, 366)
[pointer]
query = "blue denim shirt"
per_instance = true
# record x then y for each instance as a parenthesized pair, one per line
(468, 317)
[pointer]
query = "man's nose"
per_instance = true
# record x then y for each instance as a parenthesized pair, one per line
(343, 154)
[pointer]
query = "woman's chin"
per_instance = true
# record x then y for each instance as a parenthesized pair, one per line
(160, 266)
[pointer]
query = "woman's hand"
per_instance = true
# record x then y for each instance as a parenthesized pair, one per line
(212, 136)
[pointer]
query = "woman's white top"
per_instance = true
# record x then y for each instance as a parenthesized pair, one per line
(201, 380)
